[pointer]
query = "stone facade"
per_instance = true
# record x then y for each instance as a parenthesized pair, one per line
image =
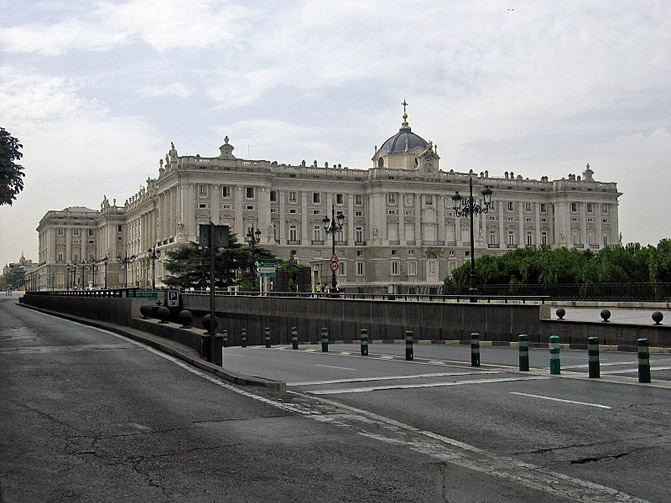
(400, 231)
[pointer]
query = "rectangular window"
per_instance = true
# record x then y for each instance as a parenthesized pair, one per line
(511, 238)
(394, 267)
(91, 232)
(61, 232)
(605, 240)
(391, 199)
(75, 232)
(250, 192)
(293, 233)
(358, 199)
(316, 197)
(492, 238)
(340, 199)
(412, 268)
(60, 257)
(292, 197)
(588, 207)
(527, 206)
(360, 268)
(428, 200)
(225, 191)
(604, 209)
(544, 238)
(358, 213)
(119, 228)
(202, 190)
(317, 233)
(530, 239)
(544, 208)
(574, 207)
(273, 196)
(342, 270)
(358, 234)
(511, 206)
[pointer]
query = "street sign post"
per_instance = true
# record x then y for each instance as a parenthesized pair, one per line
(266, 270)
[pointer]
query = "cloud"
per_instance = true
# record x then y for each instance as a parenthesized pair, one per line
(175, 89)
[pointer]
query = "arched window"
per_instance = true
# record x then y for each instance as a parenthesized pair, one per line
(380, 162)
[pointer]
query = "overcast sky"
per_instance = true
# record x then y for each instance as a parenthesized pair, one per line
(97, 90)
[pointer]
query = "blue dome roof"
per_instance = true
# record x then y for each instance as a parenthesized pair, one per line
(403, 141)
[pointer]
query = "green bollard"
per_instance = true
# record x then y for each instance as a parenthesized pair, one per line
(555, 364)
(593, 357)
(475, 349)
(243, 338)
(524, 351)
(294, 338)
(364, 342)
(266, 336)
(325, 340)
(643, 360)
(225, 338)
(409, 354)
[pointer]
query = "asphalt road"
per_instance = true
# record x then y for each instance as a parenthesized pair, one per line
(91, 416)
(612, 431)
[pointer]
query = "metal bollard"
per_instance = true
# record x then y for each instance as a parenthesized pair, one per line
(524, 351)
(555, 364)
(266, 336)
(294, 338)
(593, 357)
(409, 354)
(225, 338)
(643, 360)
(475, 349)
(364, 342)
(243, 338)
(325, 340)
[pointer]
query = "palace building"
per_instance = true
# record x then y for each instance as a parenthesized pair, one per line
(400, 230)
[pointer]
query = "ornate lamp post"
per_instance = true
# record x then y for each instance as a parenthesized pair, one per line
(125, 261)
(70, 269)
(93, 272)
(253, 238)
(332, 226)
(469, 208)
(104, 261)
(153, 255)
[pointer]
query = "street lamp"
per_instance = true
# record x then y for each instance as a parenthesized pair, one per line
(469, 208)
(153, 255)
(104, 261)
(253, 238)
(125, 261)
(93, 272)
(70, 268)
(332, 226)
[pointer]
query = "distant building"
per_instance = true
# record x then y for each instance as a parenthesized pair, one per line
(400, 230)
(14, 273)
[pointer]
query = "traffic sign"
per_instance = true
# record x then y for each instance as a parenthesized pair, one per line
(266, 270)
(333, 266)
(334, 258)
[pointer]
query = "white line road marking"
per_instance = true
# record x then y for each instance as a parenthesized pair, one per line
(561, 400)
(388, 378)
(426, 385)
(333, 367)
(635, 369)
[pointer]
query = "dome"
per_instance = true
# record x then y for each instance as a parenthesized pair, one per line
(403, 141)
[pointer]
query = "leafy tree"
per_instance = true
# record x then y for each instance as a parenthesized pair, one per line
(189, 265)
(660, 262)
(11, 173)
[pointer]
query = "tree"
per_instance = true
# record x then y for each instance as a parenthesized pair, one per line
(660, 262)
(189, 265)
(11, 173)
